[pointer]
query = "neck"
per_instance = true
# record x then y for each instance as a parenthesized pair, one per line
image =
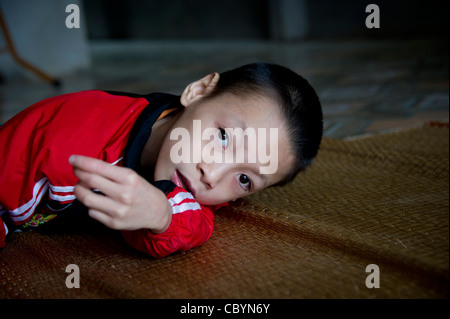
(153, 145)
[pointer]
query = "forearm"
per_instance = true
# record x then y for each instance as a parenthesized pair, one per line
(187, 230)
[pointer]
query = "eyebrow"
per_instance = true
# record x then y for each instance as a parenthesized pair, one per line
(235, 119)
(262, 177)
(238, 122)
(241, 124)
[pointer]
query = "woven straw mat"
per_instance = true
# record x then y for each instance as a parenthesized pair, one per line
(378, 200)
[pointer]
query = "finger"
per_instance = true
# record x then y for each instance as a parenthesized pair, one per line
(103, 218)
(96, 201)
(96, 166)
(98, 182)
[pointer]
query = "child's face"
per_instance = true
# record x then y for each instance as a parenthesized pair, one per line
(224, 179)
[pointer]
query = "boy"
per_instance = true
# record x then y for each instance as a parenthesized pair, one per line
(160, 205)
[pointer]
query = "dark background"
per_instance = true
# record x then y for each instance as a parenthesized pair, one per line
(261, 19)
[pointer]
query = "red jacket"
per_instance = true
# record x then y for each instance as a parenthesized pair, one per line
(35, 146)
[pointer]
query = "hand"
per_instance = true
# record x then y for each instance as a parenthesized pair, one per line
(129, 201)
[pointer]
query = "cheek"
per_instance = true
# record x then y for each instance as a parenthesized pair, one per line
(230, 188)
(223, 193)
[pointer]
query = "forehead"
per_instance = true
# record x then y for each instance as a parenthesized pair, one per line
(253, 110)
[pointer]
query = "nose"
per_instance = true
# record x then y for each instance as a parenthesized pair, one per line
(210, 174)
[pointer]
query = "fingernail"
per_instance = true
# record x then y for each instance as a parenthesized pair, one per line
(72, 159)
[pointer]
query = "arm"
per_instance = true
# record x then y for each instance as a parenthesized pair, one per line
(151, 221)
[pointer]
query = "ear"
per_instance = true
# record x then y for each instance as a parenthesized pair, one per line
(198, 89)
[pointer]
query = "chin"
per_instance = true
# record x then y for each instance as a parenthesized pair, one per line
(209, 201)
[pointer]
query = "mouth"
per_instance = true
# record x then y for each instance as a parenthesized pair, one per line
(181, 181)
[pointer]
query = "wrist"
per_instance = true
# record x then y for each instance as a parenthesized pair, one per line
(164, 220)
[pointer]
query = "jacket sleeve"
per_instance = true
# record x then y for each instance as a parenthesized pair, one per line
(192, 225)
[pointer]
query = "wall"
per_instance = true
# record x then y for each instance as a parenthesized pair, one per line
(262, 19)
(41, 37)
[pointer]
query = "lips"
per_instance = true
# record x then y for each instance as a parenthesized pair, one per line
(181, 181)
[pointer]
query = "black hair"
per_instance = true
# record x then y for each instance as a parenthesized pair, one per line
(297, 98)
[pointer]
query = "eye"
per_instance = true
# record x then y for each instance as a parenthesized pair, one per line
(223, 137)
(245, 182)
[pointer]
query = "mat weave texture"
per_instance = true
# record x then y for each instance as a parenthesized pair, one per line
(380, 200)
